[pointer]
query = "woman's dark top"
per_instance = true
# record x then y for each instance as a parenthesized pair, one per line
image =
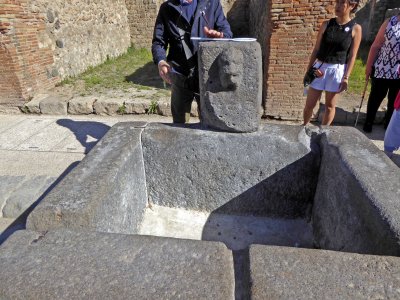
(335, 43)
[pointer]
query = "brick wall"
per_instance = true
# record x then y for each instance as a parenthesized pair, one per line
(24, 63)
(43, 41)
(287, 31)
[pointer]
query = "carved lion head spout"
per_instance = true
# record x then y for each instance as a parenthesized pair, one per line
(230, 63)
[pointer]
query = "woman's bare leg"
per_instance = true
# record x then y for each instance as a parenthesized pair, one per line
(313, 97)
(330, 107)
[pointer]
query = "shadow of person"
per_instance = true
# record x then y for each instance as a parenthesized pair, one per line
(88, 133)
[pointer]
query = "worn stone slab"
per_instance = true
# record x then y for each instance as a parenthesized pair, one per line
(137, 106)
(25, 195)
(293, 273)
(230, 85)
(33, 106)
(47, 138)
(356, 205)
(81, 105)
(164, 108)
(7, 185)
(54, 105)
(9, 121)
(271, 172)
(105, 192)
(76, 265)
(20, 132)
(109, 106)
(36, 163)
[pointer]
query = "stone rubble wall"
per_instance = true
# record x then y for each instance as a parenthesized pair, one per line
(83, 33)
(42, 42)
(372, 14)
(142, 16)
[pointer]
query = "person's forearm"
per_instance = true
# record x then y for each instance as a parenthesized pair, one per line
(349, 68)
(373, 53)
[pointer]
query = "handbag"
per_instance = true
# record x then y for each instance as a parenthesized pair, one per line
(310, 75)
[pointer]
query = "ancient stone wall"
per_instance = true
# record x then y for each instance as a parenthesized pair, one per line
(84, 33)
(372, 14)
(141, 18)
(237, 13)
(43, 41)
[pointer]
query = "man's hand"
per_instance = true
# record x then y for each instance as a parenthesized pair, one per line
(164, 69)
(211, 33)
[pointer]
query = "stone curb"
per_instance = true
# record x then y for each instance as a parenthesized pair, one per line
(100, 105)
(349, 117)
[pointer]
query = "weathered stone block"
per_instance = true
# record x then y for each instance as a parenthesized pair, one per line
(53, 105)
(77, 265)
(137, 106)
(81, 105)
(230, 85)
(271, 172)
(109, 106)
(164, 107)
(33, 106)
(105, 192)
(293, 273)
(356, 205)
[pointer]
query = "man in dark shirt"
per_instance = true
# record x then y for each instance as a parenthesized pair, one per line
(176, 23)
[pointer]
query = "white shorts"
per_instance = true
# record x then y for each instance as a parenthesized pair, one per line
(330, 81)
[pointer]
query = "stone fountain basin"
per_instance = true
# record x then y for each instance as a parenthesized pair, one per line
(282, 185)
(158, 211)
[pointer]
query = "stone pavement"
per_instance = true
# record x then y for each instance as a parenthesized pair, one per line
(38, 151)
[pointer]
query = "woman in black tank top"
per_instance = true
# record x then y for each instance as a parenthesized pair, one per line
(333, 55)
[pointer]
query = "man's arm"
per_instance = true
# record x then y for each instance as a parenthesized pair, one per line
(221, 23)
(160, 41)
(159, 48)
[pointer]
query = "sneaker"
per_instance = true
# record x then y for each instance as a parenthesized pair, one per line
(367, 127)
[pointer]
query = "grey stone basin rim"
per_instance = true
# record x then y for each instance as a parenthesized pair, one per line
(278, 171)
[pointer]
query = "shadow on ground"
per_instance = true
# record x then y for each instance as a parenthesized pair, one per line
(147, 76)
(88, 133)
